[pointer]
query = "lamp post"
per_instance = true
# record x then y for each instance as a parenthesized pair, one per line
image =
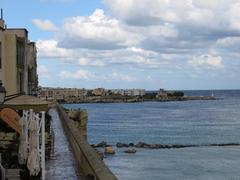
(2, 93)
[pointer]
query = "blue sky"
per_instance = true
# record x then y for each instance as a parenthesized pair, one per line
(151, 44)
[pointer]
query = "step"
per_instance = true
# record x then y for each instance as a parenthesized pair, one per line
(13, 174)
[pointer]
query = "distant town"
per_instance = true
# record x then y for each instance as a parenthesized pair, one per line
(102, 95)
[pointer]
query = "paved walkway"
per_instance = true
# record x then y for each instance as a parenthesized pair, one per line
(62, 165)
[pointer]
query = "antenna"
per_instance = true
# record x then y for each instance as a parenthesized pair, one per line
(1, 14)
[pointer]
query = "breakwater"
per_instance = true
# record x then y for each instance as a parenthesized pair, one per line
(161, 146)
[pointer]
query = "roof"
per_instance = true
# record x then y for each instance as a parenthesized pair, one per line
(25, 102)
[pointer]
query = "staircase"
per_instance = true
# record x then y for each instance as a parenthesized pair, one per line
(13, 174)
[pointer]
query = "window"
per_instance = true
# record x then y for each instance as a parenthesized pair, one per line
(20, 52)
(0, 55)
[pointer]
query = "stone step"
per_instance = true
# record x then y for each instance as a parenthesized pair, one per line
(13, 174)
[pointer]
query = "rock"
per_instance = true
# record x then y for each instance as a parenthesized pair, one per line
(101, 144)
(100, 154)
(141, 145)
(131, 145)
(130, 151)
(155, 146)
(121, 145)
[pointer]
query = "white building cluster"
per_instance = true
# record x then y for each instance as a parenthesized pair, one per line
(129, 92)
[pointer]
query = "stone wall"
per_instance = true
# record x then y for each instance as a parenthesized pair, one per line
(88, 162)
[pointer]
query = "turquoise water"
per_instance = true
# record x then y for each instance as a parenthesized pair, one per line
(188, 122)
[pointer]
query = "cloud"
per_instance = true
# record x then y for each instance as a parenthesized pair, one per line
(179, 26)
(234, 16)
(50, 49)
(45, 25)
(89, 76)
(197, 12)
(95, 32)
(122, 77)
(229, 42)
(43, 71)
(88, 62)
(206, 61)
(80, 75)
(154, 36)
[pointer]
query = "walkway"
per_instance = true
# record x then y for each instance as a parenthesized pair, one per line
(62, 164)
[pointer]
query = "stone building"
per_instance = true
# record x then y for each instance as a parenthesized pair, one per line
(17, 61)
(99, 92)
(62, 94)
(162, 94)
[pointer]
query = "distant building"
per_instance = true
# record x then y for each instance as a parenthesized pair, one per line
(117, 91)
(129, 92)
(62, 94)
(99, 92)
(162, 93)
(18, 66)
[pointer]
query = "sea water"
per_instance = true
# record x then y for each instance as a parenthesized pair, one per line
(177, 122)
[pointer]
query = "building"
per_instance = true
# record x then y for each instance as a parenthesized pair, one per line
(162, 94)
(18, 66)
(32, 68)
(129, 92)
(62, 94)
(99, 92)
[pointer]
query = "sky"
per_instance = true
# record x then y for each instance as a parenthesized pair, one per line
(150, 44)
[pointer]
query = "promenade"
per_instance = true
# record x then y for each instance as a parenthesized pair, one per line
(62, 165)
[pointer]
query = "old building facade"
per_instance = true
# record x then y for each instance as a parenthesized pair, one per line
(18, 66)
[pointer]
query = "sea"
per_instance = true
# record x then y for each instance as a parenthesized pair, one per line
(197, 122)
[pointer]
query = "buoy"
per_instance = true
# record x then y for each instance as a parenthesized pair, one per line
(109, 150)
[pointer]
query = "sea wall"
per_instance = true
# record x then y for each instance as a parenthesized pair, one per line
(87, 160)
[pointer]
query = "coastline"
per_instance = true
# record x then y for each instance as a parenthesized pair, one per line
(99, 99)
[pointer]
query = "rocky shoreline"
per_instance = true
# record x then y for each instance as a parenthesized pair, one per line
(99, 99)
(104, 144)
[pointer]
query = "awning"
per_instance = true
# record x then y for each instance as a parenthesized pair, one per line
(26, 102)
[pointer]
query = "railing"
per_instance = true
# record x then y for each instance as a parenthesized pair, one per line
(3, 173)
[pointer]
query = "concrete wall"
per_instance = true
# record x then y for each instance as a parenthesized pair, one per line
(10, 64)
(86, 157)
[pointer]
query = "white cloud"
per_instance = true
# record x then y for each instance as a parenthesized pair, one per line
(122, 77)
(144, 34)
(42, 71)
(234, 16)
(89, 76)
(45, 25)
(50, 49)
(152, 12)
(88, 62)
(80, 74)
(95, 32)
(207, 61)
(229, 42)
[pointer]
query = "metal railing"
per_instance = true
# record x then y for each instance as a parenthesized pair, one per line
(3, 172)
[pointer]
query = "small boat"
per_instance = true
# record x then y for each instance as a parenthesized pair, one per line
(130, 151)
(109, 150)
